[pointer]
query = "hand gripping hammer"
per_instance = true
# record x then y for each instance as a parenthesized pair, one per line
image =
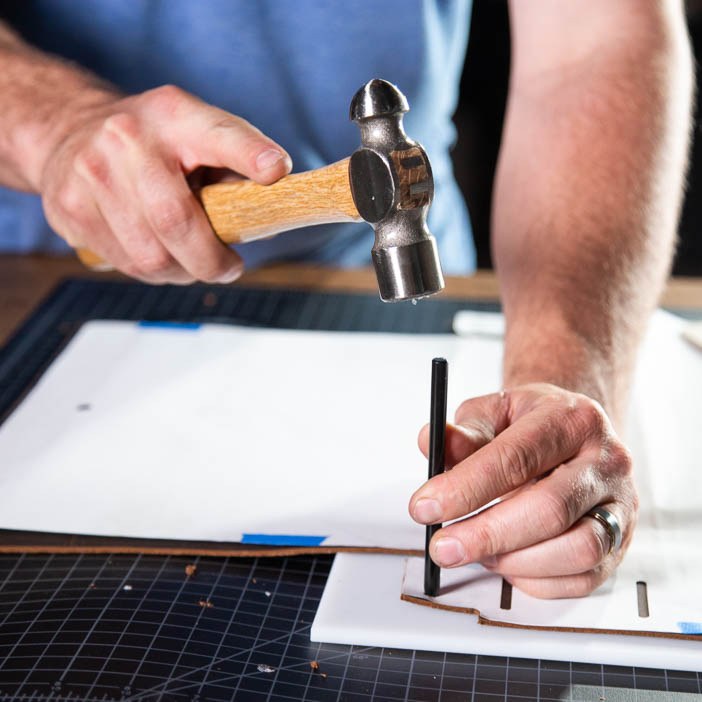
(387, 182)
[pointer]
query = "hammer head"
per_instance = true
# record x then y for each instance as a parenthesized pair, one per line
(392, 188)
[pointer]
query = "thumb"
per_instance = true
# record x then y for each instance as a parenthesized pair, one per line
(204, 135)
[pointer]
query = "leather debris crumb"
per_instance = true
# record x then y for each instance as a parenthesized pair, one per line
(315, 667)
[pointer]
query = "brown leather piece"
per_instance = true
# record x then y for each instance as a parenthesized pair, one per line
(41, 542)
(509, 625)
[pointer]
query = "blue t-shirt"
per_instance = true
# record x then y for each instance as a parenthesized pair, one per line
(291, 69)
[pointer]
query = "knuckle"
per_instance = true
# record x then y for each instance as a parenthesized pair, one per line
(171, 219)
(92, 166)
(166, 99)
(556, 513)
(459, 492)
(539, 591)
(70, 200)
(485, 540)
(593, 546)
(563, 586)
(228, 122)
(568, 408)
(619, 460)
(123, 125)
(486, 412)
(583, 584)
(555, 396)
(153, 262)
(590, 416)
(515, 461)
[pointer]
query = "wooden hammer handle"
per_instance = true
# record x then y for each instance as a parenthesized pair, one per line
(244, 211)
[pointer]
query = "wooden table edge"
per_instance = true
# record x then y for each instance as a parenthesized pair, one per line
(26, 280)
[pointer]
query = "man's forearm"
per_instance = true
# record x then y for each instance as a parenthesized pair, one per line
(38, 94)
(586, 204)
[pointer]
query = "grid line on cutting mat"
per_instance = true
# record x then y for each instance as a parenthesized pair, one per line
(132, 617)
(134, 628)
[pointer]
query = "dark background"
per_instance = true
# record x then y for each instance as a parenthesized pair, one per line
(479, 121)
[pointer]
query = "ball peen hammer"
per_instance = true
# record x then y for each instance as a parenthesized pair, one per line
(387, 182)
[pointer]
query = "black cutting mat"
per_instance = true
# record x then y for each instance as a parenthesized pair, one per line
(101, 627)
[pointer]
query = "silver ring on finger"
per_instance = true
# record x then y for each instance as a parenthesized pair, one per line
(611, 525)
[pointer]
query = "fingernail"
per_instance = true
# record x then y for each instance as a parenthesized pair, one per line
(449, 552)
(268, 159)
(427, 511)
(489, 562)
(231, 275)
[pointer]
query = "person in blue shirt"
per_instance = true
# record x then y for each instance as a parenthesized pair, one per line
(109, 109)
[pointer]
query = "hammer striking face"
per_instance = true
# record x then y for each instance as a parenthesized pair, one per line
(392, 188)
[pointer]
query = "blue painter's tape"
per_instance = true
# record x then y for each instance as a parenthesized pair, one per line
(690, 627)
(171, 325)
(282, 540)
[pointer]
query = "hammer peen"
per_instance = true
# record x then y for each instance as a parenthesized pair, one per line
(387, 182)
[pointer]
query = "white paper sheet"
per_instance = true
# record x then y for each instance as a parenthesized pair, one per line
(217, 432)
(361, 606)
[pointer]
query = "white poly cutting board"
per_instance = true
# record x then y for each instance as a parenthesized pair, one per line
(665, 435)
(361, 605)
